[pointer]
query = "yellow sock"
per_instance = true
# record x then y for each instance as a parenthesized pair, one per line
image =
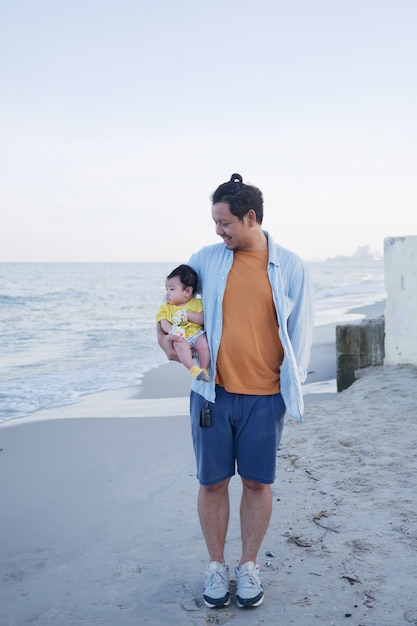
(199, 374)
(204, 375)
(195, 370)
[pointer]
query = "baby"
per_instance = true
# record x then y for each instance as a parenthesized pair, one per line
(182, 316)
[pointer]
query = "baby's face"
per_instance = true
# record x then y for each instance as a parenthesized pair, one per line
(175, 292)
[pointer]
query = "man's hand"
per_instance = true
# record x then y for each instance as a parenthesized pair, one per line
(167, 343)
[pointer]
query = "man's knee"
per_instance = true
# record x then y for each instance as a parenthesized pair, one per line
(218, 488)
(254, 486)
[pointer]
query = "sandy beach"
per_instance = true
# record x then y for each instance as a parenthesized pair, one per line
(99, 523)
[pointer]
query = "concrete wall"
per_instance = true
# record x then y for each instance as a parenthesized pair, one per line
(400, 261)
(358, 346)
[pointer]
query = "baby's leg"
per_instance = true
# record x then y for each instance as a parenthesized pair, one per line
(202, 349)
(183, 350)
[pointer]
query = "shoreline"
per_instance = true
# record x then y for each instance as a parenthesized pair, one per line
(165, 388)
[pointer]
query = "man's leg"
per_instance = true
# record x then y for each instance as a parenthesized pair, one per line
(213, 511)
(214, 452)
(261, 429)
(255, 514)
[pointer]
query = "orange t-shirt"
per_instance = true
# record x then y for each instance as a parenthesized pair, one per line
(250, 352)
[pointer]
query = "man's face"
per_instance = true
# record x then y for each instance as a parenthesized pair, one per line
(236, 234)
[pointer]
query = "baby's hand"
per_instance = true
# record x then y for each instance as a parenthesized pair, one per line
(178, 331)
(180, 317)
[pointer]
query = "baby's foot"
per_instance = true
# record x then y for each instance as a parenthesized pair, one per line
(199, 373)
(203, 375)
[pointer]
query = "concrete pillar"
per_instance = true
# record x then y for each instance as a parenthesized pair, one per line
(357, 346)
(400, 268)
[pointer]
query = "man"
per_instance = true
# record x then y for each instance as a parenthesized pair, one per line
(258, 317)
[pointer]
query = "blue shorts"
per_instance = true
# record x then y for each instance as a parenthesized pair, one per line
(245, 433)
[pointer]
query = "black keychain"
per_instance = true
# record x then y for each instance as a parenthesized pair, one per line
(205, 416)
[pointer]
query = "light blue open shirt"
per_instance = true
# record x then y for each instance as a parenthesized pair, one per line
(293, 299)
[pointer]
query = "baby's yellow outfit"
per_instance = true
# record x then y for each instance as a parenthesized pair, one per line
(171, 312)
(183, 328)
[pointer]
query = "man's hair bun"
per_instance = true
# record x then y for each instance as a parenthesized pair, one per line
(236, 178)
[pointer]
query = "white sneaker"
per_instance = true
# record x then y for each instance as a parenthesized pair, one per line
(216, 587)
(249, 590)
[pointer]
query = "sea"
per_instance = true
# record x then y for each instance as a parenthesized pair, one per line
(71, 329)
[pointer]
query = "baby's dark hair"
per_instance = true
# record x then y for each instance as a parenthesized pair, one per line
(187, 276)
(240, 197)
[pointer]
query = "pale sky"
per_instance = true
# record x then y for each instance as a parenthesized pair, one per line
(118, 119)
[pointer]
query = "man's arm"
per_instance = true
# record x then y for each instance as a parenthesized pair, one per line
(301, 320)
(166, 342)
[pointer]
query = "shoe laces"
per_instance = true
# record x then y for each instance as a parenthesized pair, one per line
(216, 578)
(248, 579)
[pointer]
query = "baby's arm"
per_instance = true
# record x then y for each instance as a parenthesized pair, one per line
(196, 318)
(166, 326)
